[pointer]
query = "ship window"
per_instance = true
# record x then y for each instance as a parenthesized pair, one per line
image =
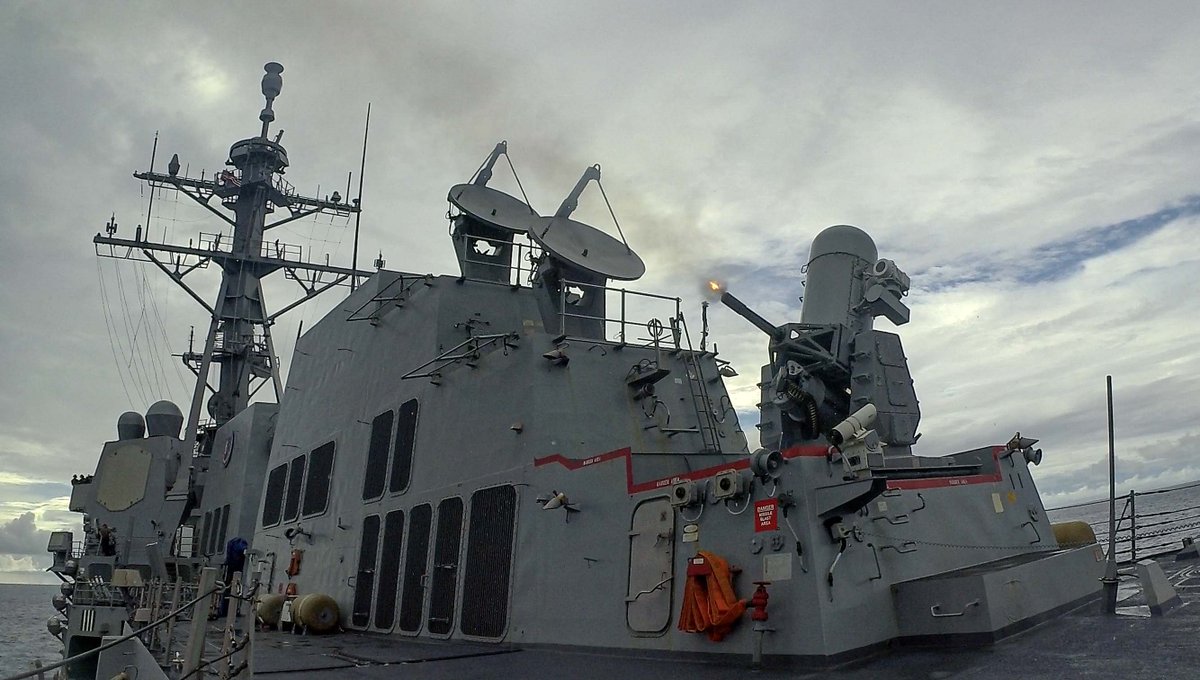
(316, 489)
(402, 455)
(205, 533)
(273, 505)
(212, 534)
(377, 455)
(291, 504)
(220, 546)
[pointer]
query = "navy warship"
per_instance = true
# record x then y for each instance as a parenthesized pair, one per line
(529, 454)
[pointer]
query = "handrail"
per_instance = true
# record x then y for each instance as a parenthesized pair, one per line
(1132, 531)
(114, 643)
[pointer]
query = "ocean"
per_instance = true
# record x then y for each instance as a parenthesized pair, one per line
(23, 635)
(1164, 518)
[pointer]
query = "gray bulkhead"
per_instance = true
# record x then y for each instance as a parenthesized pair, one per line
(230, 485)
(484, 425)
(514, 417)
(128, 492)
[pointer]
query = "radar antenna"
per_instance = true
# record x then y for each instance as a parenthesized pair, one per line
(239, 334)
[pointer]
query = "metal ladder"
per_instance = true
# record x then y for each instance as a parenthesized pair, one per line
(706, 420)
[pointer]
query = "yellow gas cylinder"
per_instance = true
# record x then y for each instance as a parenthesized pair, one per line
(269, 608)
(317, 612)
(1073, 534)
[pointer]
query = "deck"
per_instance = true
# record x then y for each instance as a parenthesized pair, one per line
(1082, 643)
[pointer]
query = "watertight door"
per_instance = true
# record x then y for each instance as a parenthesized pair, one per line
(651, 567)
(364, 582)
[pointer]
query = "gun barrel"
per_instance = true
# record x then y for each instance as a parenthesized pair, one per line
(748, 314)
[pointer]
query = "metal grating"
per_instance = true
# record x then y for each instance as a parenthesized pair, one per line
(445, 566)
(487, 572)
(316, 488)
(377, 455)
(389, 570)
(364, 581)
(273, 505)
(416, 558)
(291, 504)
(402, 454)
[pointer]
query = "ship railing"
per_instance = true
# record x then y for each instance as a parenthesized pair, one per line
(522, 263)
(630, 304)
(282, 251)
(256, 344)
(1150, 527)
(392, 295)
(467, 352)
(96, 592)
(192, 661)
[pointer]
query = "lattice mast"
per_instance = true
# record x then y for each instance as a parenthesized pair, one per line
(239, 334)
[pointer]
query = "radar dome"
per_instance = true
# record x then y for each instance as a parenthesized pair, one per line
(130, 425)
(164, 418)
(844, 239)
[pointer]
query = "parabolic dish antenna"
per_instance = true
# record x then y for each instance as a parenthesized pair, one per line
(588, 248)
(494, 208)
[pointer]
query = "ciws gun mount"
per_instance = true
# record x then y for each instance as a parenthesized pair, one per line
(833, 364)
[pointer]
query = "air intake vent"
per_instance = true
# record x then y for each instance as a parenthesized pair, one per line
(489, 558)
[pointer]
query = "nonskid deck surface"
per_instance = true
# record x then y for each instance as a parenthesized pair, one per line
(1083, 643)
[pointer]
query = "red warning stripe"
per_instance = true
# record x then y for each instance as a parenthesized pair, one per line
(639, 487)
(792, 452)
(937, 482)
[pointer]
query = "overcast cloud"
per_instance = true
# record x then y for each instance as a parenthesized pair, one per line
(1032, 165)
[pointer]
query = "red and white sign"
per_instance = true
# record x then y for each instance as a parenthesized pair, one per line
(766, 515)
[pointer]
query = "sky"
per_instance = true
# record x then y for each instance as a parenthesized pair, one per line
(1033, 166)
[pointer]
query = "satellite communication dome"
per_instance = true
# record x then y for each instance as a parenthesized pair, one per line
(130, 425)
(164, 418)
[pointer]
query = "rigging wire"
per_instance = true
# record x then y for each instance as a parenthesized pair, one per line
(163, 350)
(109, 327)
(155, 360)
(614, 215)
(136, 363)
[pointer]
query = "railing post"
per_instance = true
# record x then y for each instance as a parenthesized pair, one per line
(1132, 526)
(232, 608)
(195, 643)
(174, 605)
(622, 316)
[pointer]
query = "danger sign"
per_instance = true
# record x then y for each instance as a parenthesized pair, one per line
(766, 515)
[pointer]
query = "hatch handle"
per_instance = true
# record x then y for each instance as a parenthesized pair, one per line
(657, 586)
(936, 610)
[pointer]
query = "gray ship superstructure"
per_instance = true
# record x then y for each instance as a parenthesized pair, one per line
(530, 454)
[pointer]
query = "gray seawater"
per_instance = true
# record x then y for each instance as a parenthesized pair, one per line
(23, 637)
(1164, 518)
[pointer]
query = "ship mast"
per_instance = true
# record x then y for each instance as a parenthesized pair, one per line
(239, 333)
